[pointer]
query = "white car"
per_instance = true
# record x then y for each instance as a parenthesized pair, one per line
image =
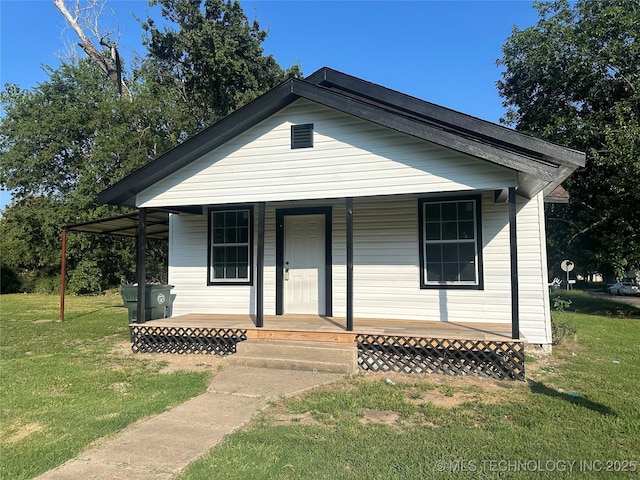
(623, 288)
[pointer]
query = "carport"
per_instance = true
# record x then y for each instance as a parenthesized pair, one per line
(143, 224)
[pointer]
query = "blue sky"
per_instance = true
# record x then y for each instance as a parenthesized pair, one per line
(440, 51)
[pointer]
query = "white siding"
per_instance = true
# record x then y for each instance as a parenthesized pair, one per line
(188, 272)
(386, 267)
(350, 157)
(535, 316)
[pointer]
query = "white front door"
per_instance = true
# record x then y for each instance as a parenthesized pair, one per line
(304, 277)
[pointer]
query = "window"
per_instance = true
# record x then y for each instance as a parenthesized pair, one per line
(450, 243)
(230, 245)
(302, 136)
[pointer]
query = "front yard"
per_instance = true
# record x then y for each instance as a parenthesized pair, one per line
(64, 385)
(577, 416)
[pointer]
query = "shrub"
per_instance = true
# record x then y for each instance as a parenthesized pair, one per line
(9, 280)
(560, 304)
(560, 330)
(27, 282)
(86, 278)
(47, 285)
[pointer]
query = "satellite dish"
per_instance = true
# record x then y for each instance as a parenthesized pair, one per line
(567, 265)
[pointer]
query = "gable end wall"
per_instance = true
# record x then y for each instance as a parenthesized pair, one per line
(349, 157)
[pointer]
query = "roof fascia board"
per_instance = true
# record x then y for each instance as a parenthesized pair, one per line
(346, 104)
(327, 76)
(559, 200)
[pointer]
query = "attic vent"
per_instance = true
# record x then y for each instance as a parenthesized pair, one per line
(302, 136)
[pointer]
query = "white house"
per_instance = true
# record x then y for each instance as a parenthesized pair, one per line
(338, 197)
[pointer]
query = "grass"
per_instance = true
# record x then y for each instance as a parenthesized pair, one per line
(595, 304)
(579, 405)
(64, 385)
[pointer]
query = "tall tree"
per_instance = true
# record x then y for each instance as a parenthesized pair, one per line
(210, 55)
(68, 138)
(71, 136)
(574, 79)
(60, 144)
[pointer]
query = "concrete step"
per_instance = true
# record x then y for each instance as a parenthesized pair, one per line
(296, 356)
(305, 350)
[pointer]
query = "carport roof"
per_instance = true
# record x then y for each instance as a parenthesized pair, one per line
(126, 225)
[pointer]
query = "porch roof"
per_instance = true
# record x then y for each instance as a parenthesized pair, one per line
(125, 225)
(540, 165)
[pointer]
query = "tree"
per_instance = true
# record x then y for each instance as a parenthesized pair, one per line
(211, 57)
(574, 79)
(70, 137)
(110, 65)
(60, 144)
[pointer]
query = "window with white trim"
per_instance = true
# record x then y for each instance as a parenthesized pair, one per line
(450, 243)
(230, 245)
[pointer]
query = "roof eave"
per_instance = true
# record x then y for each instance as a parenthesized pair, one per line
(331, 78)
(125, 191)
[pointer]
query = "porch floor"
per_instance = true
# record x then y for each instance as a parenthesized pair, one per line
(333, 329)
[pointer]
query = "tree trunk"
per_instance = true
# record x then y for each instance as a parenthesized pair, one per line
(112, 70)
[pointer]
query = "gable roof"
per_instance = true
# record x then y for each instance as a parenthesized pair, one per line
(539, 164)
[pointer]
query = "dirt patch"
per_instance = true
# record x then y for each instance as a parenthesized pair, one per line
(120, 387)
(369, 416)
(387, 417)
(171, 362)
(546, 364)
(23, 432)
(446, 400)
(296, 419)
(189, 363)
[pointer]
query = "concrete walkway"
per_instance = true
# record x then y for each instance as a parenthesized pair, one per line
(162, 446)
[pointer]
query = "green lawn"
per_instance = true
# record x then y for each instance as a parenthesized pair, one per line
(579, 410)
(65, 385)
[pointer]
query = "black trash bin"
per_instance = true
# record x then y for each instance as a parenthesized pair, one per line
(157, 299)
